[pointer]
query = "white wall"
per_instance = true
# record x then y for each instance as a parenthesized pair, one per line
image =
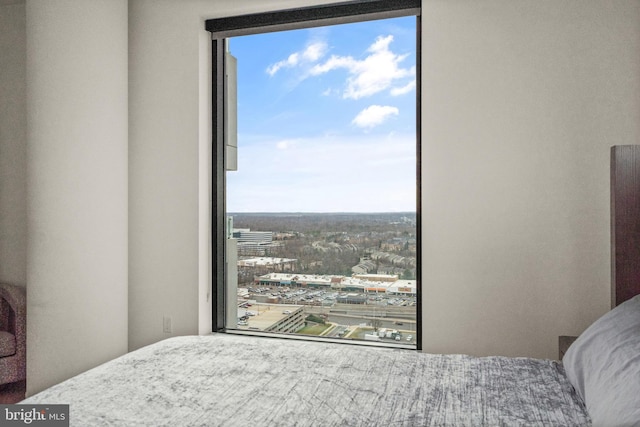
(521, 102)
(13, 129)
(77, 186)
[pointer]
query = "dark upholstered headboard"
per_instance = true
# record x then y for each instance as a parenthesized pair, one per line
(625, 223)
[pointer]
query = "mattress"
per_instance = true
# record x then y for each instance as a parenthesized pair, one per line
(230, 380)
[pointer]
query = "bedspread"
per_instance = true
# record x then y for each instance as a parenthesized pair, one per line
(228, 380)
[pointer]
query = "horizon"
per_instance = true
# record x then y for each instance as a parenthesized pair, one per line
(325, 213)
(301, 214)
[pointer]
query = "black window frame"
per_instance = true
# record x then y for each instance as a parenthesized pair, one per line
(281, 20)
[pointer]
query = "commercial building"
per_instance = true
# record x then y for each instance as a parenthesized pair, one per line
(268, 263)
(366, 283)
(255, 243)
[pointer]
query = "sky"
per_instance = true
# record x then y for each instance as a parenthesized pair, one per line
(326, 119)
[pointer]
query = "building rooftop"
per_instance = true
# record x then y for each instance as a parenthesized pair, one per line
(363, 281)
(266, 315)
(263, 261)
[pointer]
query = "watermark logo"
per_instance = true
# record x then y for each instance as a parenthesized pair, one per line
(34, 415)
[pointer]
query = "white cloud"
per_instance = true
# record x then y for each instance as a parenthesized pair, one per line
(286, 144)
(374, 115)
(327, 92)
(373, 173)
(373, 74)
(312, 53)
(291, 61)
(315, 51)
(334, 63)
(397, 91)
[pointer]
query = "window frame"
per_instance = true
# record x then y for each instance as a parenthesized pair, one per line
(281, 20)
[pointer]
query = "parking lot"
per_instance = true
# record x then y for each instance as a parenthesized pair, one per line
(290, 295)
(351, 321)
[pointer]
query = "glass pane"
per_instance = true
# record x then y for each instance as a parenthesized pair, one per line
(322, 207)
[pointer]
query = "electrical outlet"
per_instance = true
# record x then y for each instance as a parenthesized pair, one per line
(166, 325)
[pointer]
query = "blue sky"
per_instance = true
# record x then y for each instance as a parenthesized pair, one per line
(326, 119)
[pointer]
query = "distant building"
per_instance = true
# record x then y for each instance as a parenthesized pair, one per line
(272, 317)
(269, 263)
(365, 283)
(246, 235)
(364, 267)
(403, 287)
(291, 279)
(393, 259)
(290, 322)
(255, 243)
(376, 277)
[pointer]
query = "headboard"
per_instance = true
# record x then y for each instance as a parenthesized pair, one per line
(625, 223)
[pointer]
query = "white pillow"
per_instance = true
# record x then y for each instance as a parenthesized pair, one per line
(603, 365)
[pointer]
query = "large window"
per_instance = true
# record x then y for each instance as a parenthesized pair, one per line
(317, 223)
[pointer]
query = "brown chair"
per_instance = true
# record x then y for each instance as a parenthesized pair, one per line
(13, 334)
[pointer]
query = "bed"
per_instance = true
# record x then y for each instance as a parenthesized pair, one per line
(231, 380)
(245, 381)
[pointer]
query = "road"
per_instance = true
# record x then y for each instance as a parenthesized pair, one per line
(394, 318)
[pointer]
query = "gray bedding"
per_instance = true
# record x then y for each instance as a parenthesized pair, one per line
(227, 380)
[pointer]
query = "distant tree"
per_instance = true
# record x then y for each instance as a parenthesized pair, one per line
(315, 319)
(376, 322)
